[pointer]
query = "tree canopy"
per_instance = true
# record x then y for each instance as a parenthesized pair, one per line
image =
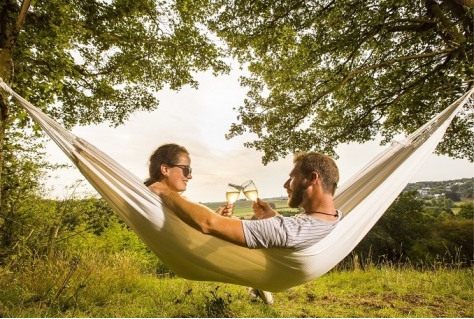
(321, 73)
(328, 72)
(92, 61)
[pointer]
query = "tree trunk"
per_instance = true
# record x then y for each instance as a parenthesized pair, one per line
(12, 18)
(53, 235)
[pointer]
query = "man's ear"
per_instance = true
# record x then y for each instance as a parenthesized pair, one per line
(313, 178)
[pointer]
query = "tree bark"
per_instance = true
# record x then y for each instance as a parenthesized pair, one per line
(12, 18)
(53, 235)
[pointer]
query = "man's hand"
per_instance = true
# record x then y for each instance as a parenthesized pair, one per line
(225, 210)
(262, 210)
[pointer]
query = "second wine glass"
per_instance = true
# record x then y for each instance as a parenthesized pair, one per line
(250, 190)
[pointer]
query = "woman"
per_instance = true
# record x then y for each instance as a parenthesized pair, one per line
(170, 164)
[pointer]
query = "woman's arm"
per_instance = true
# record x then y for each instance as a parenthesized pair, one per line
(201, 217)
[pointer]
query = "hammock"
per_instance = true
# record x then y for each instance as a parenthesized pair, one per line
(192, 255)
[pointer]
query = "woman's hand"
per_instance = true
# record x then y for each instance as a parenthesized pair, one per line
(225, 210)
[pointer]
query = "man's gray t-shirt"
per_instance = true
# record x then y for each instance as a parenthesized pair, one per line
(295, 232)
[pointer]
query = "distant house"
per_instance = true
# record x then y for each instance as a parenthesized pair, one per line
(425, 192)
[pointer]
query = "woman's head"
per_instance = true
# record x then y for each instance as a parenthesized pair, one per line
(170, 164)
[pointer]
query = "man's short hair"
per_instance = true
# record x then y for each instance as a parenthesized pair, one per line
(322, 164)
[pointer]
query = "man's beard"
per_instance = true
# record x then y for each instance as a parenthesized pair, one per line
(297, 196)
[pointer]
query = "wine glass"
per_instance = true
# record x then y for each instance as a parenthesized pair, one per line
(250, 190)
(232, 193)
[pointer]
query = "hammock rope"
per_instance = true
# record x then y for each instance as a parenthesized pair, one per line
(192, 255)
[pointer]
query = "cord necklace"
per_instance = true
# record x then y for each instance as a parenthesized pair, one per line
(315, 212)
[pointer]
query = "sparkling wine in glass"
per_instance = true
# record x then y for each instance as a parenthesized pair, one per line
(250, 190)
(232, 193)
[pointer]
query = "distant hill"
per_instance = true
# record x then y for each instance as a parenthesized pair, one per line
(462, 187)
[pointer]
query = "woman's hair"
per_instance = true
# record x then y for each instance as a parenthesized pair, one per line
(322, 164)
(165, 154)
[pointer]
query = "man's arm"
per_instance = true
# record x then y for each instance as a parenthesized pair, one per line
(200, 217)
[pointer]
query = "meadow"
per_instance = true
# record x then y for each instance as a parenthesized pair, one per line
(120, 285)
(102, 269)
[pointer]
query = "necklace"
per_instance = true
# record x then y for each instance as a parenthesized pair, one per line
(314, 212)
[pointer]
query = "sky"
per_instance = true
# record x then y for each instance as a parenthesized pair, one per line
(198, 119)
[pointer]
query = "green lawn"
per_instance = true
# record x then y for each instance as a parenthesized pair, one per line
(117, 287)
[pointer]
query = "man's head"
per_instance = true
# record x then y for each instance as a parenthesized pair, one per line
(309, 167)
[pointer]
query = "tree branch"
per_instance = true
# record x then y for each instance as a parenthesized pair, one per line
(123, 39)
(386, 63)
(21, 17)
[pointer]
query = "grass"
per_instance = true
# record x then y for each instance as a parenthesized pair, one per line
(457, 205)
(121, 286)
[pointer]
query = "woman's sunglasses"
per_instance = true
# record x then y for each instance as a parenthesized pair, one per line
(187, 170)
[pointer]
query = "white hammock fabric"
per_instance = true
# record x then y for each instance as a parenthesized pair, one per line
(192, 255)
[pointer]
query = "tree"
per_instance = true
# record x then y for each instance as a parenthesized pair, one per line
(91, 61)
(453, 196)
(22, 210)
(466, 211)
(328, 72)
(451, 240)
(467, 188)
(402, 225)
(32, 226)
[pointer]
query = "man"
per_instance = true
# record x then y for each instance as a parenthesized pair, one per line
(311, 186)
